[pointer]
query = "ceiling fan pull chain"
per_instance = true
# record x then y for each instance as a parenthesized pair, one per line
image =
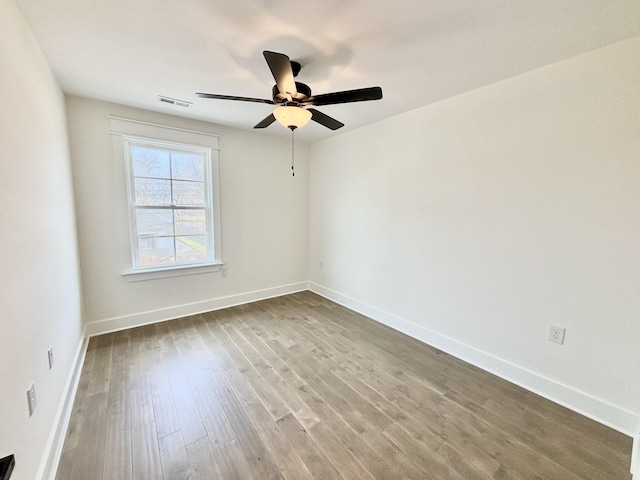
(293, 171)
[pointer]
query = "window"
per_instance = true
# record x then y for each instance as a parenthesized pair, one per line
(172, 192)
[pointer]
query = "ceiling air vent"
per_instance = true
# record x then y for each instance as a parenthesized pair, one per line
(174, 101)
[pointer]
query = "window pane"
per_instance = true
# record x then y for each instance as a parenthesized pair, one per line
(152, 192)
(150, 162)
(190, 222)
(191, 249)
(155, 251)
(172, 186)
(187, 166)
(188, 193)
(152, 222)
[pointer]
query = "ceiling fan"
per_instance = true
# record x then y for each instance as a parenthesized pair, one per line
(293, 97)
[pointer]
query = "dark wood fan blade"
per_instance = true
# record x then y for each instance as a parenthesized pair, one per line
(265, 122)
(348, 96)
(325, 120)
(230, 97)
(280, 67)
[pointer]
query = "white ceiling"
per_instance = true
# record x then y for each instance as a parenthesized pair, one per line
(418, 51)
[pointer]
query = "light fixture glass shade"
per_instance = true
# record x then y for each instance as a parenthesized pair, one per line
(292, 117)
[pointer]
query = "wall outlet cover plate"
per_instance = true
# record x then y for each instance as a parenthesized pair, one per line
(556, 334)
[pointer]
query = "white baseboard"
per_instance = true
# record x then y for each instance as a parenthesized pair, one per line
(144, 318)
(53, 450)
(595, 408)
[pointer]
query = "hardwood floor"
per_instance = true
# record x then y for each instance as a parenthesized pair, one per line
(298, 387)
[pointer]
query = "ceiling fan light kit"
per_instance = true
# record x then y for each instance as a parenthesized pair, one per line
(292, 117)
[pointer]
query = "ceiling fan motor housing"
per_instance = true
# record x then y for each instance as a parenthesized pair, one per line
(303, 93)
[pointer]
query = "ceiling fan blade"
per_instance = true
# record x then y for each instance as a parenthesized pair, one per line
(265, 122)
(230, 97)
(325, 120)
(348, 96)
(280, 67)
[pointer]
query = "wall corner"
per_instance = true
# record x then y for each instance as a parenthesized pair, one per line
(635, 457)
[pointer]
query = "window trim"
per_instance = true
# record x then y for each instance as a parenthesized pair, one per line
(129, 142)
(133, 132)
(138, 276)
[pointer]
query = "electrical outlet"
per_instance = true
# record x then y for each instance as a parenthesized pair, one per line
(223, 272)
(556, 334)
(31, 398)
(50, 355)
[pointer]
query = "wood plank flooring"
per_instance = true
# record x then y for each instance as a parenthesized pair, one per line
(298, 388)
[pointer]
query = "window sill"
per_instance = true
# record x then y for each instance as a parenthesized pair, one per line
(141, 275)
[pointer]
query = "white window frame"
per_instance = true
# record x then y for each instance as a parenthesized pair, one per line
(128, 133)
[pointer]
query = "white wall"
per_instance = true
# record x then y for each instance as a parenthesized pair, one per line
(477, 222)
(264, 222)
(39, 273)
(473, 223)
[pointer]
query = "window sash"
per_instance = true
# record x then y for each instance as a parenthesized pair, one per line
(207, 206)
